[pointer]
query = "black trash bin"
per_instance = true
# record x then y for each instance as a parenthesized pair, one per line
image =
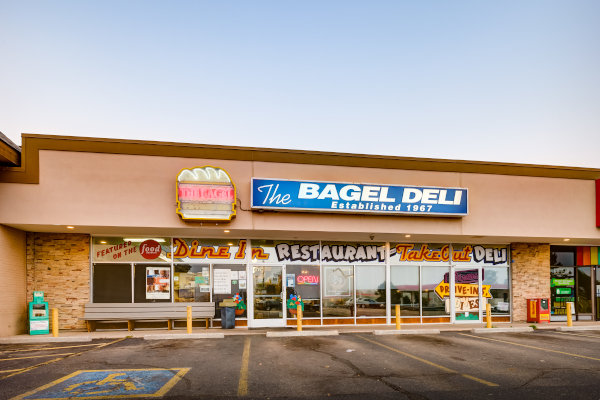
(227, 317)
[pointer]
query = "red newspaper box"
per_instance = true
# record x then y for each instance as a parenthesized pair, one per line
(538, 310)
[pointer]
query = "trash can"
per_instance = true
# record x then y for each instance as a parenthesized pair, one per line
(227, 317)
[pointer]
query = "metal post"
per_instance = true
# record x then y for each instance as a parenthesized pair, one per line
(569, 316)
(189, 319)
(299, 318)
(488, 315)
(398, 327)
(55, 322)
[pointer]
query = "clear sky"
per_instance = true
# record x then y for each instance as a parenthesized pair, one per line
(514, 81)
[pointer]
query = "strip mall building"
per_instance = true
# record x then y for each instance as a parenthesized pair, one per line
(118, 221)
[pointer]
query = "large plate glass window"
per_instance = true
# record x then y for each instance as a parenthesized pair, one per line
(338, 291)
(152, 283)
(370, 290)
(191, 282)
(229, 279)
(112, 283)
(405, 289)
(433, 304)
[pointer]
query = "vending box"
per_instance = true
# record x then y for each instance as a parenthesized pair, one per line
(538, 310)
(39, 315)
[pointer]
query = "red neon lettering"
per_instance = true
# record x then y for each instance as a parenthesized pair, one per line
(192, 192)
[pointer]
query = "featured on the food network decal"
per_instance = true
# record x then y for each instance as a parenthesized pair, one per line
(205, 193)
(357, 198)
(132, 249)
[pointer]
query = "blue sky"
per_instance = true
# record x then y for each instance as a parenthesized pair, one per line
(513, 81)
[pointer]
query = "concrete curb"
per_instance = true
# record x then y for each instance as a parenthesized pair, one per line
(408, 332)
(302, 333)
(44, 339)
(502, 330)
(579, 328)
(179, 336)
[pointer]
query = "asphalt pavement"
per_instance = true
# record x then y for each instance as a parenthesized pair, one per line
(449, 365)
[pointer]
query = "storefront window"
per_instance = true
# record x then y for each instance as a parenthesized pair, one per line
(562, 256)
(405, 289)
(191, 282)
(152, 283)
(338, 290)
(305, 281)
(432, 304)
(229, 279)
(497, 278)
(370, 290)
(112, 283)
(562, 289)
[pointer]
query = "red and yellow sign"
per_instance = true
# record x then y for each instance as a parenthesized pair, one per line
(462, 290)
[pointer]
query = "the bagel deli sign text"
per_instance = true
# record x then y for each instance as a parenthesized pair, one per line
(356, 198)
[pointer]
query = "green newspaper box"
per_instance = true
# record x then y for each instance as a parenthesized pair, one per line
(39, 315)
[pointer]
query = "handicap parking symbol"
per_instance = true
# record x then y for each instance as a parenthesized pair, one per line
(109, 384)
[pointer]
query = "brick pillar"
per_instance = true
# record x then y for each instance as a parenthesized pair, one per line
(59, 264)
(530, 274)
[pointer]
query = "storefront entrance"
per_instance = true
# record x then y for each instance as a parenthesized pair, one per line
(466, 297)
(269, 296)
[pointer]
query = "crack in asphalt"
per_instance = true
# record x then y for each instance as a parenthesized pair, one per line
(378, 378)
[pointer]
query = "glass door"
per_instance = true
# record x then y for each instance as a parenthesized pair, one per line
(597, 287)
(583, 301)
(269, 295)
(466, 300)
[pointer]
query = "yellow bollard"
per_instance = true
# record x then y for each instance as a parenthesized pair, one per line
(569, 316)
(299, 318)
(398, 327)
(488, 315)
(189, 319)
(55, 322)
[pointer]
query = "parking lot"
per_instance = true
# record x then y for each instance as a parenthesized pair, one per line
(451, 365)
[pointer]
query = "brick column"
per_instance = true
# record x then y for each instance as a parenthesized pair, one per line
(530, 274)
(59, 264)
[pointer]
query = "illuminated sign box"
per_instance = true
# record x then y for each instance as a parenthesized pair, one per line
(205, 193)
(356, 198)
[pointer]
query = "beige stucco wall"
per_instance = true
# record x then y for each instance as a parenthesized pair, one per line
(104, 193)
(13, 294)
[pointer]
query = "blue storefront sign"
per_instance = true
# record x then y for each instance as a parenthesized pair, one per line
(357, 198)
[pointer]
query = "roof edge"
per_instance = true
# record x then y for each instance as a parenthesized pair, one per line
(28, 172)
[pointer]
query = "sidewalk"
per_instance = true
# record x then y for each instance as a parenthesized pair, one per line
(82, 336)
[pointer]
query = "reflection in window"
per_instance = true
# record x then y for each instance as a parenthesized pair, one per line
(306, 283)
(370, 290)
(338, 290)
(191, 282)
(405, 289)
(432, 304)
(497, 278)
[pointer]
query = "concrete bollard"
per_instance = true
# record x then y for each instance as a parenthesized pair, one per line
(488, 315)
(299, 318)
(569, 316)
(189, 319)
(55, 322)
(398, 327)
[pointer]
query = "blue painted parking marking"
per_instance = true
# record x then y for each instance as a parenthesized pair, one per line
(108, 384)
